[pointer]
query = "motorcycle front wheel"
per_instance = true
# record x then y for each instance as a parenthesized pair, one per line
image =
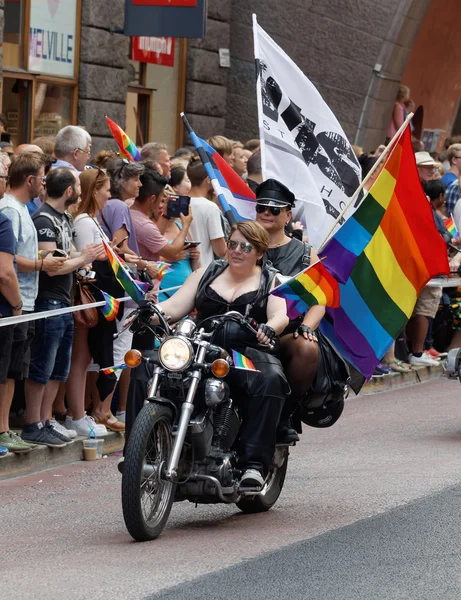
(146, 497)
(272, 488)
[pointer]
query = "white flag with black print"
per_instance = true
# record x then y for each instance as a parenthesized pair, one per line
(302, 143)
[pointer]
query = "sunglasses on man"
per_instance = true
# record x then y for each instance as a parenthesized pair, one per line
(274, 210)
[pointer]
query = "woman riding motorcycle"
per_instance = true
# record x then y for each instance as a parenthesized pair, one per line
(299, 343)
(239, 284)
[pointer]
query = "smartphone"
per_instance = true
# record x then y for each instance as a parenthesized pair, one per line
(178, 205)
(59, 253)
(86, 273)
(192, 244)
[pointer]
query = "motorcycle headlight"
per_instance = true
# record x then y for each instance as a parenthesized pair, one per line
(175, 354)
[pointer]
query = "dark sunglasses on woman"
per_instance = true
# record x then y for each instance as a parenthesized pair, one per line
(245, 247)
(274, 210)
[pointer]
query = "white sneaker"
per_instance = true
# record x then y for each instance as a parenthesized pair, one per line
(423, 361)
(84, 425)
(63, 430)
(120, 416)
(252, 479)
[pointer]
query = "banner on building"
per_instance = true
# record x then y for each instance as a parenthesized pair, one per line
(52, 37)
(153, 50)
(165, 2)
(302, 142)
(175, 18)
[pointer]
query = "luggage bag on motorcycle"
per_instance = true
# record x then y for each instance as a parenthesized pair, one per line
(324, 402)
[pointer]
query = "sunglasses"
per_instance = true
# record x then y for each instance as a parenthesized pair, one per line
(274, 210)
(245, 247)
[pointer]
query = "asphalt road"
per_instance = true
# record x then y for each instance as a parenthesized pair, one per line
(369, 511)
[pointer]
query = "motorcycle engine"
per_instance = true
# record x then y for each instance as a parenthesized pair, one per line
(226, 426)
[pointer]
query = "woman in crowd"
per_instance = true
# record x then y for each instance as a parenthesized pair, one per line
(399, 112)
(223, 146)
(181, 269)
(240, 284)
(95, 194)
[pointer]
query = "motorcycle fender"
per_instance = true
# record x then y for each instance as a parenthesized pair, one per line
(165, 401)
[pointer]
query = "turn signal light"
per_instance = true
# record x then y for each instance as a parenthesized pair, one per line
(220, 367)
(133, 358)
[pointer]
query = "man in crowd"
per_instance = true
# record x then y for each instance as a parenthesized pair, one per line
(72, 148)
(426, 166)
(153, 152)
(240, 161)
(454, 158)
(206, 227)
(148, 209)
(52, 345)
(255, 176)
(10, 305)
(26, 177)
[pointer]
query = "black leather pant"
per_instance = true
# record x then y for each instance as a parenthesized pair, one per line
(259, 396)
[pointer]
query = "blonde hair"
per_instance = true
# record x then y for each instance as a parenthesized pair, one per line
(452, 151)
(403, 91)
(221, 144)
(254, 233)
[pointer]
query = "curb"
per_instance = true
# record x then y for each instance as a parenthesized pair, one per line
(14, 465)
(399, 380)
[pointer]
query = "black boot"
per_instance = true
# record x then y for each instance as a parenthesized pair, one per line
(285, 433)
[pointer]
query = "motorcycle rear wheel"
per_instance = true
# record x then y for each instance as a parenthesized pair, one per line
(271, 492)
(146, 498)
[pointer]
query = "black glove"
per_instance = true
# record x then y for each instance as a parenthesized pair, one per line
(267, 331)
(305, 329)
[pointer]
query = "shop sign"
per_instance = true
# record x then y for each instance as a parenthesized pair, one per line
(52, 37)
(165, 2)
(154, 50)
(175, 18)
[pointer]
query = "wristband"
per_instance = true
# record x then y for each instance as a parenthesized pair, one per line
(18, 306)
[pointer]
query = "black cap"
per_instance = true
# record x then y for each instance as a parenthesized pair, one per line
(273, 193)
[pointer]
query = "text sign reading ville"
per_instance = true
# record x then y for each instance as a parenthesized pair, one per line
(165, 18)
(165, 2)
(154, 50)
(52, 37)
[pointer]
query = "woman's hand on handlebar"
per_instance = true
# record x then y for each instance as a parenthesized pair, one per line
(265, 334)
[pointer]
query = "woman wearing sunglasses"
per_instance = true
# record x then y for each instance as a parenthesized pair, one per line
(299, 344)
(241, 284)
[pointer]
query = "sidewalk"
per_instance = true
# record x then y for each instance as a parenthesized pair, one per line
(13, 465)
(398, 380)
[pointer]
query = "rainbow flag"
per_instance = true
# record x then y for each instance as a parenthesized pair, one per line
(242, 362)
(451, 227)
(143, 285)
(312, 286)
(122, 275)
(163, 269)
(383, 256)
(110, 308)
(127, 147)
(109, 370)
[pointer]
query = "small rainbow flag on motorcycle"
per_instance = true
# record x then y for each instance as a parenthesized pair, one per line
(163, 269)
(242, 362)
(109, 370)
(110, 308)
(451, 228)
(126, 145)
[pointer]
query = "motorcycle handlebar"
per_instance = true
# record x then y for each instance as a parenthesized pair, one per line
(251, 324)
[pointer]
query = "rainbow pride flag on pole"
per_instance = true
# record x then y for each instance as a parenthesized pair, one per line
(126, 145)
(382, 256)
(312, 286)
(163, 269)
(109, 370)
(110, 308)
(122, 275)
(451, 227)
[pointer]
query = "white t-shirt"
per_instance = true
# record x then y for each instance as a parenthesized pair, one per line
(86, 232)
(206, 226)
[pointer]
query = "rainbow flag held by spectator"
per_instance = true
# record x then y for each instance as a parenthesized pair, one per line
(312, 286)
(122, 275)
(382, 257)
(127, 147)
(109, 370)
(163, 269)
(110, 308)
(451, 227)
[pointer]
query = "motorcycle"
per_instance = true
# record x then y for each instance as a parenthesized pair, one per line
(181, 446)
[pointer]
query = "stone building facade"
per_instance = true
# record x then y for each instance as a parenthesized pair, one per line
(357, 52)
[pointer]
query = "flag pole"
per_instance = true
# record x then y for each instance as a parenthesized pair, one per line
(214, 182)
(370, 173)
